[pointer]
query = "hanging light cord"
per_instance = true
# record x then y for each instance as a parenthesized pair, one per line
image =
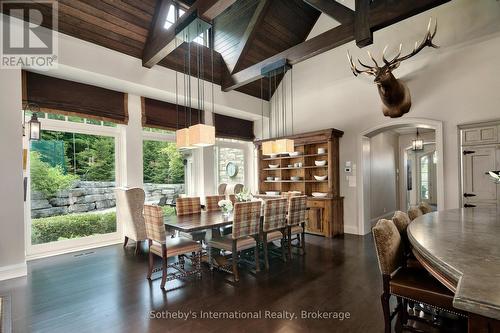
(291, 96)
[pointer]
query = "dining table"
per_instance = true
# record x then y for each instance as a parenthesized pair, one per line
(461, 248)
(197, 222)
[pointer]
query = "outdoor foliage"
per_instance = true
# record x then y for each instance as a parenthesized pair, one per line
(51, 229)
(163, 163)
(48, 179)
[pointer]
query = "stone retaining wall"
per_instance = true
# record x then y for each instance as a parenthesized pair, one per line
(88, 196)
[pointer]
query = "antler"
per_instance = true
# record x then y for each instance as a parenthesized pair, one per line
(394, 62)
(427, 41)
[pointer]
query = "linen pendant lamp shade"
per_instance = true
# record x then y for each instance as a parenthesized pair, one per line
(201, 135)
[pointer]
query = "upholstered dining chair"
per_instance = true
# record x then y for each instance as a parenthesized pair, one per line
(244, 236)
(188, 206)
(296, 220)
(167, 247)
(425, 208)
(129, 206)
(274, 226)
(221, 189)
(406, 284)
(238, 188)
(414, 212)
(212, 202)
(402, 221)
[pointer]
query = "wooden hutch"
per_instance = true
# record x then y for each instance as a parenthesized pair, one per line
(325, 215)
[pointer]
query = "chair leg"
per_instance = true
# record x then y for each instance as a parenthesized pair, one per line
(198, 264)
(266, 253)
(181, 261)
(125, 241)
(289, 243)
(303, 242)
(282, 242)
(137, 247)
(209, 251)
(256, 252)
(236, 276)
(385, 308)
(151, 262)
(164, 273)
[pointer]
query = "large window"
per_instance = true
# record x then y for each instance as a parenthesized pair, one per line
(72, 181)
(163, 172)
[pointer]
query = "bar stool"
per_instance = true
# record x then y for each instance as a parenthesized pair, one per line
(406, 284)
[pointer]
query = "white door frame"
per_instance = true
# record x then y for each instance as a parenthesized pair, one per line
(71, 245)
(363, 144)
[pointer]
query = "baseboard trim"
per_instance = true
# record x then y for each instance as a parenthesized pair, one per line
(351, 229)
(13, 271)
(71, 250)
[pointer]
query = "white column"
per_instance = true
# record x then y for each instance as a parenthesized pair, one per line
(131, 145)
(12, 232)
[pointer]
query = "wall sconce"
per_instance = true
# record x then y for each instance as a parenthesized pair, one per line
(35, 127)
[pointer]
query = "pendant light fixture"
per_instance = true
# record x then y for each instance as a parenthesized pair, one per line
(182, 135)
(417, 143)
(282, 145)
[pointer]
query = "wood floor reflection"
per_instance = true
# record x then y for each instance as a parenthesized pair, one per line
(107, 291)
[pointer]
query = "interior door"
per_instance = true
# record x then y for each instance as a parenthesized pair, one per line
(479, 189)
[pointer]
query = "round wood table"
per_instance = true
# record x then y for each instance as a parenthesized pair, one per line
(461, 248)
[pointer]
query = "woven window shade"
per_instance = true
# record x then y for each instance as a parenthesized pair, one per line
(66, 97)
(233, 128)
(163, 115)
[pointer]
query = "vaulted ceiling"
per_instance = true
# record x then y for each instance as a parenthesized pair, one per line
(246, 34)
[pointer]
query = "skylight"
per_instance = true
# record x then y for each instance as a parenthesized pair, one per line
(170, 20)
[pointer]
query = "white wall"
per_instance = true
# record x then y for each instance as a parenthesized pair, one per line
(12, 258)
(384, 154)
(455, 84)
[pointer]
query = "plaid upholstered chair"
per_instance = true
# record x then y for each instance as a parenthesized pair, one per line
(212, 202)
(246, 225)
(296, 220)
(186, 206)
(407, 284)
(274, 226)
(167, 247)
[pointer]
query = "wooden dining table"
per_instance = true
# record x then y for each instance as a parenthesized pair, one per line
(197, 222)
(461, 248)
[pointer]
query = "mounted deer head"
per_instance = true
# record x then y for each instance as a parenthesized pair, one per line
(394, 93)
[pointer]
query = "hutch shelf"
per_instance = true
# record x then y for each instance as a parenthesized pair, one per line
(325, 215)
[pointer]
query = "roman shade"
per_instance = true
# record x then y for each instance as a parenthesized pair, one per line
(233, 128)
(55, 95)
(163, 115)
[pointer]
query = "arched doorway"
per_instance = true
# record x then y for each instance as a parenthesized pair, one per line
(364, 169)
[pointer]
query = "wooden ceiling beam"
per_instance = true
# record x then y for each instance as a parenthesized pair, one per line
(380, 15)
(162, 41)
(332, 8)
(362, 29)
(250, 31)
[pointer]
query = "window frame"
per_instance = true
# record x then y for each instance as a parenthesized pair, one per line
(35, 251)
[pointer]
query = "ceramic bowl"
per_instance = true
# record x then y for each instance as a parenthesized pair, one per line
(295, 178)
(320, 163)
(319, 194)
(321, 150)
(272, 193)
(277, 178)
(295, 153)
(274, 166)
(320, 177)
(273, 155)
(290, 165)
(269, 178)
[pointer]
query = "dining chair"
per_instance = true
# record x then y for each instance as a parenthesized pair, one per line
(244, 236)
(238, 188)
(188, 206)
(168, 247)
(221, 189)
(129, 207)
(232, 198)
(274, 226)
(296, 222)
(406, 284)
(414, 212)
(401, 220)
(212, 202)
(425, 208)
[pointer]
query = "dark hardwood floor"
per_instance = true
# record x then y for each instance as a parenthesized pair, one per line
(107, 291)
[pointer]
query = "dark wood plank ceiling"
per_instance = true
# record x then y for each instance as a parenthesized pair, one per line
(124, 25)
